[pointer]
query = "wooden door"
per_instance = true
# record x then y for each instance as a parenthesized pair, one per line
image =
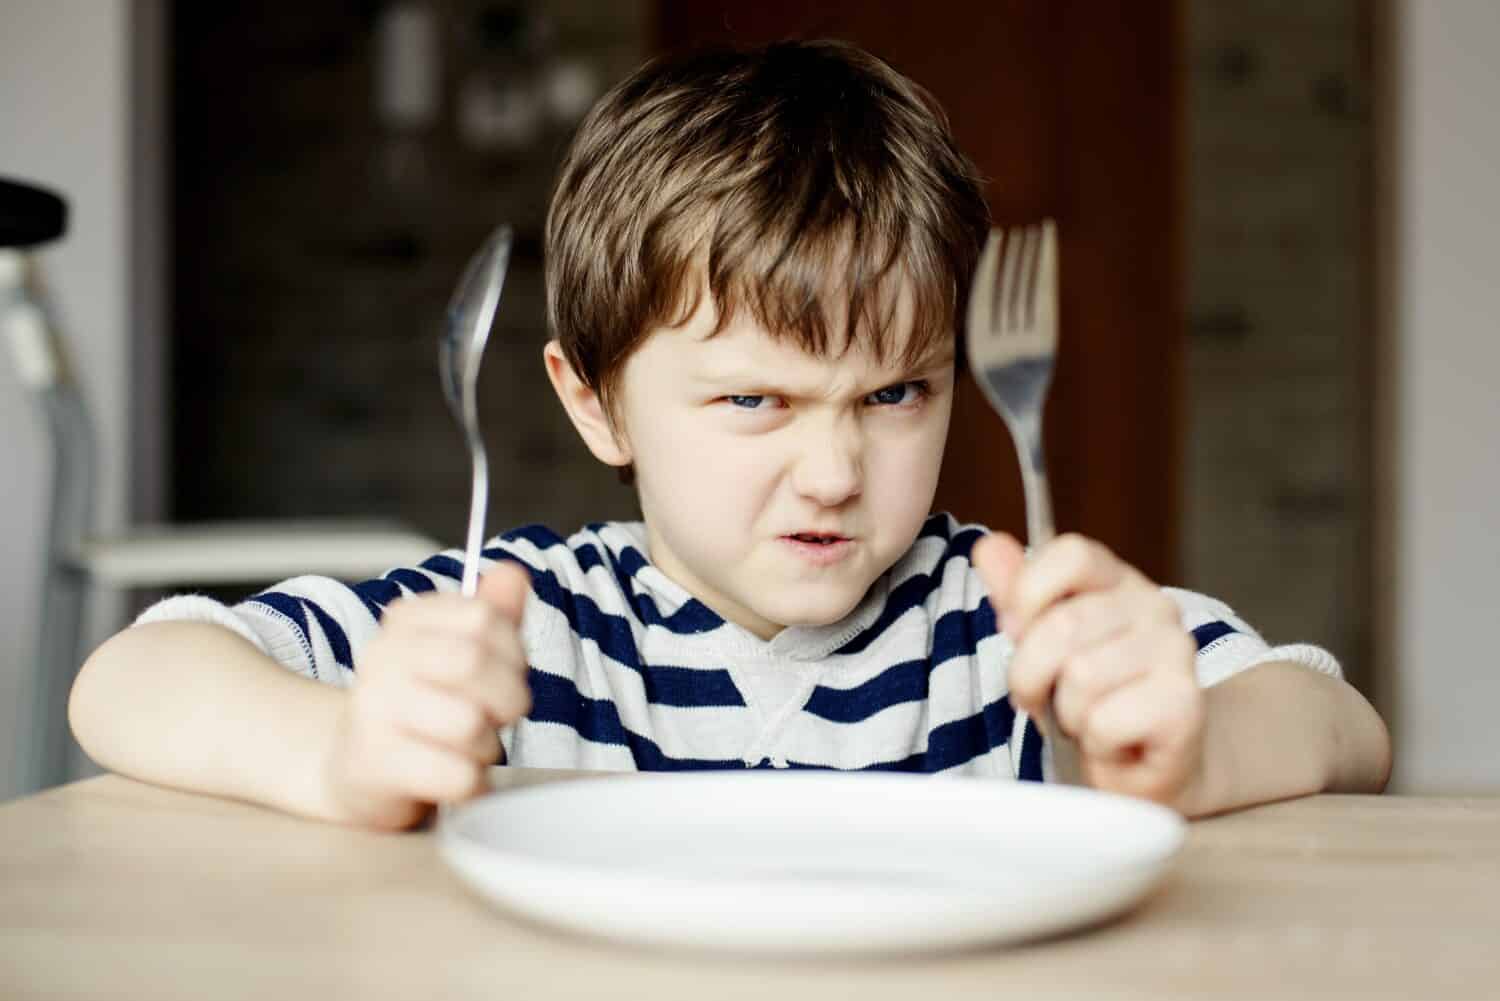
(1071, 109)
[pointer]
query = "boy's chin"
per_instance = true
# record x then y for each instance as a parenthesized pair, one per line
(810, 614)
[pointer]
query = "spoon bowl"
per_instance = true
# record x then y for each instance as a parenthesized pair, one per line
(466, 330)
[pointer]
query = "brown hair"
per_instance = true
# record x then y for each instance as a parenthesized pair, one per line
(777, 178)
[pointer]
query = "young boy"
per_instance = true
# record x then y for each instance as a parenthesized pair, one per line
(755, 262)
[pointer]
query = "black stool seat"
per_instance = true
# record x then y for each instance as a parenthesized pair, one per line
(30, 215)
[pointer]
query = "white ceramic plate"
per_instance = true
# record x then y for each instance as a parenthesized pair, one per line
(810, 862)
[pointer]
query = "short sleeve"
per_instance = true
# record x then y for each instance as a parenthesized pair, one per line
(1228, 644)
(316, 626)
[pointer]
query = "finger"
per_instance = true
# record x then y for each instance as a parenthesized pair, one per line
(442, 718)
(998, 558)
(471, 669)
(505, 588)
(1069, 564)
(1074, 626)
(432, 774)
(454, 614)
(507, 650)
(1088, 676)
(1145, 724)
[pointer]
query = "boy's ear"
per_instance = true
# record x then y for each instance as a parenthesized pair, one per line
(585, 409)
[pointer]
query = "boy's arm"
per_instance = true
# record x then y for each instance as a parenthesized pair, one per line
(1281, 730)
(1122, 666)
(193, 706)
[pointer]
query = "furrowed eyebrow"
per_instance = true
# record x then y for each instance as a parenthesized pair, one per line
(758, 383)
(756, 380)
(936, 359)
(743, 383)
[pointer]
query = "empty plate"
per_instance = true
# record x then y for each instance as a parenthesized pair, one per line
(810, 862)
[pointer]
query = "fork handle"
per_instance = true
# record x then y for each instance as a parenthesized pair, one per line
(1066, 766)
(1039, 528)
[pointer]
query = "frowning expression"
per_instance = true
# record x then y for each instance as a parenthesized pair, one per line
(777, 485)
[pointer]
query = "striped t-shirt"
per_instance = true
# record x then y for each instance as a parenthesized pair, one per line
(628, 671)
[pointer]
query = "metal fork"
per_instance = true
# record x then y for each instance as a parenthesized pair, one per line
(1011, 339)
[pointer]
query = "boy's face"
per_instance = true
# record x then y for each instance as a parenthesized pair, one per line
(777, 486)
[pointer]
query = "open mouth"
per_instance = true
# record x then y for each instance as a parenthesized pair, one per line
(817, 540)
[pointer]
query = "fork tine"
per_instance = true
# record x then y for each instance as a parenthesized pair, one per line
(1046, 281)
(982, 292)
(1010, 282)
(1035, 290)
(1027, 287)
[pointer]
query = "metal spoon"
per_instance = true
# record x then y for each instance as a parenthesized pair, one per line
(471, 313)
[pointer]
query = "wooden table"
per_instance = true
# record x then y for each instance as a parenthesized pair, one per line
(114, 889)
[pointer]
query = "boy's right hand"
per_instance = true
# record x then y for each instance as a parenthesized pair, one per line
(419, 726)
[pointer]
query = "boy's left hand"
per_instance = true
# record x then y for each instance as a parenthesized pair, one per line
(1108, 647)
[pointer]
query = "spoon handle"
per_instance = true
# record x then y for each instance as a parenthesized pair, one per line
(479, 496)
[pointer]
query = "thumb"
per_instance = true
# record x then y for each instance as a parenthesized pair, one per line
(505, 588)
(999, 558)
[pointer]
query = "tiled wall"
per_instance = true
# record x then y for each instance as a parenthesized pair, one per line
(310, 280)
(1276, 495)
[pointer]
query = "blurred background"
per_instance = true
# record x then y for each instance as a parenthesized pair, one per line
(1278, 326)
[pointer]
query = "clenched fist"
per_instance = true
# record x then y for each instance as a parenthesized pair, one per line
(442, 675)
(1108, 647)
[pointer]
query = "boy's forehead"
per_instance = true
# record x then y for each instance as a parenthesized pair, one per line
(745, 343)
(895, 304)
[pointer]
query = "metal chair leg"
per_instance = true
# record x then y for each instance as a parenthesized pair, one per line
(47, 745)
(45, 750)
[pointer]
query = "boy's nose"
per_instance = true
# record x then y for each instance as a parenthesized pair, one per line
(829, 469)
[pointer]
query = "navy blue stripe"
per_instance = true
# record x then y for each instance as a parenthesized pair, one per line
(588, 558)
(689, 687)
(417, 583)
(936, 527)
(915, 590)
(376, 594)
(957, 633)
(905, 682)
(538, 535)
(1208, 632)
(287, 605)
(616, 639)
(557, 700)
(1031, 754)
(962, 740)
(614, 635)
(910, 763)
(338, 642)
(916, 763)
(692, 618)
(295, 608)
(444, 566)
(952, 744)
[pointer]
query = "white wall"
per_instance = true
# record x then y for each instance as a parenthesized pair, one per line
(1446, 258)
(64, 97)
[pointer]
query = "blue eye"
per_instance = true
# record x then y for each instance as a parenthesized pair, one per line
(746, 402)
(901, 393)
